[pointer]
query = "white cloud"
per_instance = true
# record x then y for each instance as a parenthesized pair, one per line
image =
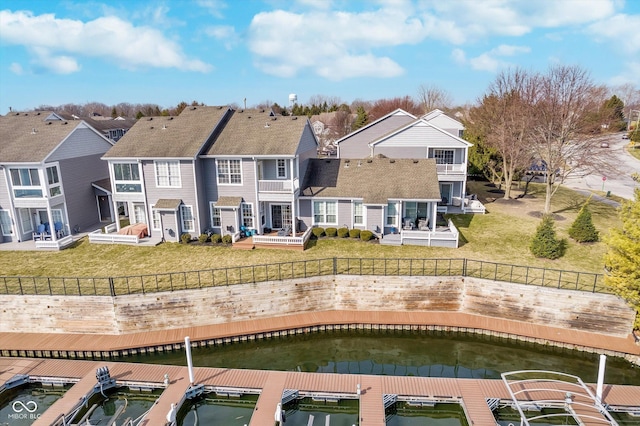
(490, 61)
(214, 7)
(58, 42)
(16, 68)
(225, 33)
(285, 43)
(621, 31)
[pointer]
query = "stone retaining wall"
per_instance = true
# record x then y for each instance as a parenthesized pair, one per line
(584, 311)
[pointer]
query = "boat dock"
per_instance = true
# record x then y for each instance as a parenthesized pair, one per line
(472, 394)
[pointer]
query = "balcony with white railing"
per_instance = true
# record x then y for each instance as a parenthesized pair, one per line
(451, 169)
(280, 186)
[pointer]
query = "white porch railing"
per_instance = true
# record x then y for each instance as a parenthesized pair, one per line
(473, 206)
(282, 185)
(451, 234)
(111, 236)
(58, 244)
(450, 169)
(289, 241)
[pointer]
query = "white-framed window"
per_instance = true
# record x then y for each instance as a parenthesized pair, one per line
(391, 214)
(5, 222)
(186, 217)
(138, 213)
(56, 215)
(168, 174)
(54, 181)
(247, 214)
(127, 177)
(281, 168)
(443, 156)
(229, 172)
(216, 216)
(25, 220)
(358, 213)
(26, 183)
(157, 221)
(325, 212)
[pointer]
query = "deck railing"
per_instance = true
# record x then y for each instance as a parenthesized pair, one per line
(174, 281)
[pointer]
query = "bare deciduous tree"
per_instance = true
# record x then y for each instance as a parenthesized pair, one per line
(562, 135)
(432, 97)
(506, 111)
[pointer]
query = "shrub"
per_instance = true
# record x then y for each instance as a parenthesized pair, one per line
(216, 238)
(318, 232)
(545, 243)
(343, 232)
(185, 238)
(203, 238)
(366, 235)
(582, 229)
(354, 233)
(331, 232)
(227, 239)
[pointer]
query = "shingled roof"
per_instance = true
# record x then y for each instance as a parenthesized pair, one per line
(30, 137)
(258, 132)
(183, 136)
(375, 180)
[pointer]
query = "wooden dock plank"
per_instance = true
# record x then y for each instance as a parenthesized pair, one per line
(270, 384)
(265, 409)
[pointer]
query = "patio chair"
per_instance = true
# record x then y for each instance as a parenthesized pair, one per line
(284, 232)
(59, 228)
(40, 232)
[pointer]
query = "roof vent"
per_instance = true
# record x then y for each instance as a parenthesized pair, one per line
(359, 163)
(415, 161)
(151, 127)
(193, 108)
(48, 123)
(266, 125)
(170, 118)
(369, 160)
(34, 131)
(150, 118)
(392, 161)
(295, 117)
(38, 114)
(64, 123)
(164, 127)
(274, 118)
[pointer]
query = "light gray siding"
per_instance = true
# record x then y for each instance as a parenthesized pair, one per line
(356, 146)
(170, 223)
(82, 142)
(76, 175)
(374, 218)
(305, 214)
(186, 192)
(401, 151)
(307, 149)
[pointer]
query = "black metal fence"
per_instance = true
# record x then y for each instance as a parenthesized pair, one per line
(174, 281)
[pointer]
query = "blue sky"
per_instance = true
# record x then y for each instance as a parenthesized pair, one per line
(220, 52)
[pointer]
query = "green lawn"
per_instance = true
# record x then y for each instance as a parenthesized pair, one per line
(502, 235)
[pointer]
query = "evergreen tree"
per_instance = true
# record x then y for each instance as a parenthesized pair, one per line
(139, 115)
(545, 243)
(582, 229)
(361, 118)
(622, 259)
(114, 113)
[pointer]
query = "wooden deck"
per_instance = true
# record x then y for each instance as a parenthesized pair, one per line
(471, 393)
(97, 345)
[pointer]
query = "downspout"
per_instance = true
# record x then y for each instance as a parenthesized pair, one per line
(144, 193)
(114, 203)
(257, 190)
(197, 197)
(294, 220)
(12, 214)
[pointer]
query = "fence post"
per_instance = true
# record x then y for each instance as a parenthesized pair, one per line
(335, 266)
(464, 267)
(112, 287)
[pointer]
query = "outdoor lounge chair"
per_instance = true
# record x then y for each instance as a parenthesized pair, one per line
(59, 229)
(284, 232)
(40, 232)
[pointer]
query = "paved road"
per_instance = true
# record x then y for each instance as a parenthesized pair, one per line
(618, 179)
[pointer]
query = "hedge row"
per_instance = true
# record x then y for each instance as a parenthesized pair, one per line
(364, 235)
